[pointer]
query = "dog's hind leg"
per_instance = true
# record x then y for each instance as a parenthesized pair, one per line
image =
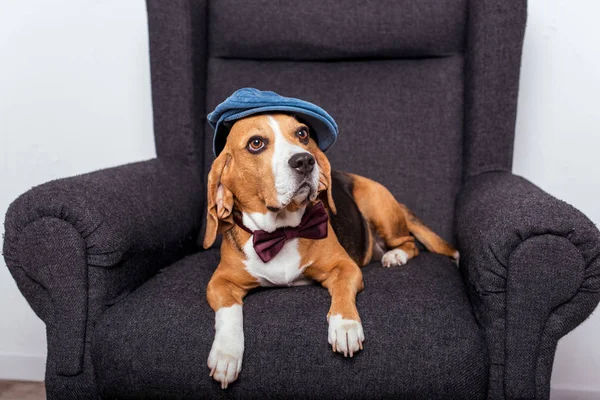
(393, 223)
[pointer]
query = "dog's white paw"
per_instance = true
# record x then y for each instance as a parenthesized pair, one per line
(225, 358)
(345, 336)
(394, 258)
(456, 258)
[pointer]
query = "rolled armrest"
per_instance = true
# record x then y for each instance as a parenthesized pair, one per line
(533, 269)
(76, 245)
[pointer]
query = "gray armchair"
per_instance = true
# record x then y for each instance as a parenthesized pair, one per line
(424, 93)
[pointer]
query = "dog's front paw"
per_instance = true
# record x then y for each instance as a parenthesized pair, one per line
(394, 258)
(225, 358)
(345, 336)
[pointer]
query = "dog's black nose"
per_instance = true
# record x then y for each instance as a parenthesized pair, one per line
(303, 163)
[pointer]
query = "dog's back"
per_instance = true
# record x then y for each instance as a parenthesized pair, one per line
(349, 224)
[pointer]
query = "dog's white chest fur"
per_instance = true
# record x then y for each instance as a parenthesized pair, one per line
(282, 270)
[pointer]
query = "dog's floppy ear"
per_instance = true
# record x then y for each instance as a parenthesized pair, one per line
(219, 217)
(325, 179)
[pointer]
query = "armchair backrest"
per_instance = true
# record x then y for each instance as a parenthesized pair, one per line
(424, 91)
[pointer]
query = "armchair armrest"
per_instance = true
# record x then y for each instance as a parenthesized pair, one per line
(76, 245)
(532, 266)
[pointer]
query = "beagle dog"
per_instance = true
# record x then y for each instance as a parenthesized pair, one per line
(270, 175)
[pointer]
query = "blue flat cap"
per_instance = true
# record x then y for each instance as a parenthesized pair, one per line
(248, 101)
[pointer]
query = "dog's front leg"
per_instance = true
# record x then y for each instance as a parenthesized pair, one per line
(344, 281)
(225, 358)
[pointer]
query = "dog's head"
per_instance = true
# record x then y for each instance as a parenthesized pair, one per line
(270, 164)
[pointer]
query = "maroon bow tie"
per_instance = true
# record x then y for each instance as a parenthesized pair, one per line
(312, 226)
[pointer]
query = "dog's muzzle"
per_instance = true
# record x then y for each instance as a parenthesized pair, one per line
(306, 185)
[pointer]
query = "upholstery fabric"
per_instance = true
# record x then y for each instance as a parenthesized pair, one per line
(533, 267)
(76, 245)
(494, 41)
(334, 30)
(178, 46)
(400, 121)
(422, 340)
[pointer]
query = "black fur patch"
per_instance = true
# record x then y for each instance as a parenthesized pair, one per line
(348, 224)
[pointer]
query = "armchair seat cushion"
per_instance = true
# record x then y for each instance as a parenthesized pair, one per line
(422, 340)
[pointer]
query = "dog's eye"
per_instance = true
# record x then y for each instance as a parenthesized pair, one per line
(256, 144)
(302, 135)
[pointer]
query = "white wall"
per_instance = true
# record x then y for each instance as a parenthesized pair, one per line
(557, 142)
(74, 97)
(74, 81)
